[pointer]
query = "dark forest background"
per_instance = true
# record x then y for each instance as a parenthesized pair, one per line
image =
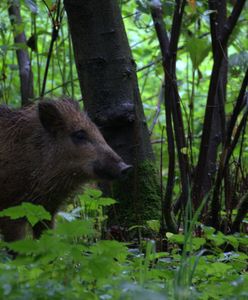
(166, 82)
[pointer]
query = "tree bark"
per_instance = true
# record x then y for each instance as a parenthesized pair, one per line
(242, 212)
(218, 126)
(26, 75)
(107, 75)
(172, 107)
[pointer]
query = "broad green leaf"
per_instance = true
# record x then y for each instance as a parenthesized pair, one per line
(218, 269)
(232, 240)
(198, 242)
(154, 225)
(92, 193)
(169, 234)
(33, 213)
(106, 201)
(24, 246)
(177, 238)
(208, 231)
(198, 50)
(77, 228)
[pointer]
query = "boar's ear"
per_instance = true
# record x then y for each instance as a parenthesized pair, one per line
(72, 102)
(50, 117)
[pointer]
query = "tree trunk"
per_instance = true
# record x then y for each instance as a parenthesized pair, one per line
(107, 75)
(26, 75)
(168, 48)
(219, 43)
(218, 129)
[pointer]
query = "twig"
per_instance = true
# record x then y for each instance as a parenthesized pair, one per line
(56, 21)
(150, 64)
(160, 101)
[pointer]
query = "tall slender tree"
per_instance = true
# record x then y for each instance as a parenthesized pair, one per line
(221, 37)
(25, 70)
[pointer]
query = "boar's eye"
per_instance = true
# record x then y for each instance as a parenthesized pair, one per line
(79, 136)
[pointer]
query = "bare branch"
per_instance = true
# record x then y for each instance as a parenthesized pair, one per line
(56, 22)
(238, 108)
(231, 22)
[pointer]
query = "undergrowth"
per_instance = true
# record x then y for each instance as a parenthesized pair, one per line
(73, 262)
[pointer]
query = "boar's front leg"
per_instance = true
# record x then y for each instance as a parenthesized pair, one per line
(12, 230)
(41, 226)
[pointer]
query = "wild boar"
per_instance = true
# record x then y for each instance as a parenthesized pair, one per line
(47, 151)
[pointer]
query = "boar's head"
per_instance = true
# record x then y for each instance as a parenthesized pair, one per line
(82, 151)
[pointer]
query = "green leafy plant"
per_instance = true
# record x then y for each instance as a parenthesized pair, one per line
(71, 262)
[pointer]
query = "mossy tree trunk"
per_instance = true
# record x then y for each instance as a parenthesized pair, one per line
(107, 75)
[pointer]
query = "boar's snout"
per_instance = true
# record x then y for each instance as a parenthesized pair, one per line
(111, 170)
(124, 169)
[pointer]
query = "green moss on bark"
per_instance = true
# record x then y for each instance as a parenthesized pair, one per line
(143, 202)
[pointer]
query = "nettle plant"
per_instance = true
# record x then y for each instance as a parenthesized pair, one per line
(71, 262)
(67, 261)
